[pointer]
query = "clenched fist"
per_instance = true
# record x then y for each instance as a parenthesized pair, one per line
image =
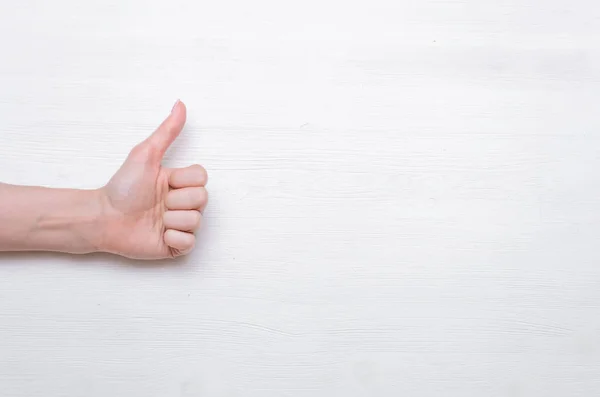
(152, 211)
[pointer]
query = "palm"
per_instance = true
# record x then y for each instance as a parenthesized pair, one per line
(154, 209)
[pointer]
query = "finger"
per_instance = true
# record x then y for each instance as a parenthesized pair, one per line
(179, 240)
(194, 175)
(186, 221)
(169, 130)
(187, 198)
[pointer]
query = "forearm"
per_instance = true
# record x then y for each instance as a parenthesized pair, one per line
(45, 219)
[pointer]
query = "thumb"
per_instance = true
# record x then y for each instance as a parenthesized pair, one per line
(169, 129)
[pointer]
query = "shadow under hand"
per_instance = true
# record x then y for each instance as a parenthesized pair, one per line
(93, 259)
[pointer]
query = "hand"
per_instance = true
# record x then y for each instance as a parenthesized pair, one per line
(152, 212)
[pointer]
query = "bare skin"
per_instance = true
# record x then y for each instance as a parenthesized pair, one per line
(145, 211)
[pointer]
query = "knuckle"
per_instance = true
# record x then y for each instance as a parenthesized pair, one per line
(200, 172)
(141, 149)
(192, 196)
(197, 219)
(188, 242)
(145, 151)
(197, 196)
(203, 197)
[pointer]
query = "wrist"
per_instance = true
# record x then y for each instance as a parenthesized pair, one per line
(96, 227)
(72, 221)
(104, 222)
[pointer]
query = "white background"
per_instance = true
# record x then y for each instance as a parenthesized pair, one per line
(405, 197)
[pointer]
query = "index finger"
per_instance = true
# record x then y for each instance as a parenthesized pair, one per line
(194, 175)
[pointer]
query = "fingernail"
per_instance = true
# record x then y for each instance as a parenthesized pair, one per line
(174, 106)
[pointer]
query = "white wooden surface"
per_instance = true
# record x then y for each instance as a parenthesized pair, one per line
(405, 197)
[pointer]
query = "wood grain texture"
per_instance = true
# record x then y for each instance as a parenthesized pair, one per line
(405, 197)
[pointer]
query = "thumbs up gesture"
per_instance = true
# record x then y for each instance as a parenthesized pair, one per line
(151, 212)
